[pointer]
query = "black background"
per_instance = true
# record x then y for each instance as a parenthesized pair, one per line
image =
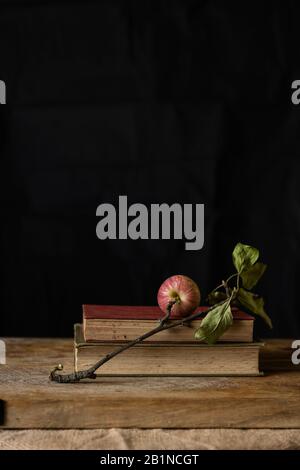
(182, 101)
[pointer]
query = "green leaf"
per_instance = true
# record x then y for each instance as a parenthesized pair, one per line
(254, 303)
(215, 297)
(252, 275)
(215, 323)
(244, 256)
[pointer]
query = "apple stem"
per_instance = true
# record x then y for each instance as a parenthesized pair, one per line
(164, 320)
(163, 325)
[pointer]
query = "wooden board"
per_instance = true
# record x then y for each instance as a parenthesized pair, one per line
(29, 400)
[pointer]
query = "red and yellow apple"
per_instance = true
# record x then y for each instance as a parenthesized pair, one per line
(180, 291)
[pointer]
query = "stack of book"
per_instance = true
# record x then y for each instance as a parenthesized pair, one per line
(171, 352)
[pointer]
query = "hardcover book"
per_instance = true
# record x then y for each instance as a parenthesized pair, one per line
(125, 323)
(163, 359)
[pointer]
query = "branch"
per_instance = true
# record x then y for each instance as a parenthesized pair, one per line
(90, 373)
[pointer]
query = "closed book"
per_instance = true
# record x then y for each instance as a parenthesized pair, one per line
(125, 323)
(163, 359)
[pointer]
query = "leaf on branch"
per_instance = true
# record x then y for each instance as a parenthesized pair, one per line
(215, 297)
(252, 275)
(215, 323)
(254, 303)
(244, 256)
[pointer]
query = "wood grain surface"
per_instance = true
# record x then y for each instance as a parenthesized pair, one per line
(29, 400)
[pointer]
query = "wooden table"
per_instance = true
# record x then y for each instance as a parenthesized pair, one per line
(29, 400)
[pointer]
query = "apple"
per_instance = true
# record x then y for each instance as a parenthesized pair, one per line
(182, 292)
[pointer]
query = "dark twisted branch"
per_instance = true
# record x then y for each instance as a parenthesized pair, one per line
(90, 373)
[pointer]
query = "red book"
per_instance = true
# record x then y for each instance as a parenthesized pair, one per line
(124, 323)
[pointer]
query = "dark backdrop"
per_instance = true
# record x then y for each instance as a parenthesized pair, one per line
(164, 102)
